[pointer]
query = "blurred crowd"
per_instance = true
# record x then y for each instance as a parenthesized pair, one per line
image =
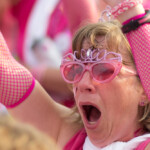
(39, 33)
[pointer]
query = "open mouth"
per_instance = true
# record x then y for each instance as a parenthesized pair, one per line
(91, 113)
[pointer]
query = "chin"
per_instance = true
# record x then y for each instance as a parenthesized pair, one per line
(101, 138)
(100, 142)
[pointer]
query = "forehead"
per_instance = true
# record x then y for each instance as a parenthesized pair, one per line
(86, 44)
(98, 42)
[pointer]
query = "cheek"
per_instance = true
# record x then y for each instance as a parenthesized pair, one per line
(131, 91)
(126, 96)
(120, 106)
(119, 93)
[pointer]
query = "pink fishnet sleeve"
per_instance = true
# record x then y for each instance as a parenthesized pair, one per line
(140, 44)
(16, 82)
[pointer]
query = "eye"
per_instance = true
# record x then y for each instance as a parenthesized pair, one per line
(103, 71)
(72, 71)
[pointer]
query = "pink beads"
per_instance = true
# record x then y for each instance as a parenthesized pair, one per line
(124, 6)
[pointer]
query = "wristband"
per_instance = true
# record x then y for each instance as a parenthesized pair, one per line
(133, 18)
(134, 24)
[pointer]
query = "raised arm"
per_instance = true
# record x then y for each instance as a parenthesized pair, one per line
(28, 102)
(139, 40)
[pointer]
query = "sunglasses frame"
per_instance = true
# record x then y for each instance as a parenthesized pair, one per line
(86, 67)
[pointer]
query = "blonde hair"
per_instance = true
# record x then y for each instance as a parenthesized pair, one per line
(114, 38)
(17, 136)
(115, 41)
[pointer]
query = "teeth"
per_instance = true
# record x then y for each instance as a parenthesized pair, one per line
(91, 122)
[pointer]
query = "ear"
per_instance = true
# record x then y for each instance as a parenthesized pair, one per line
(141, 95)
(144, 99)
(143, 102)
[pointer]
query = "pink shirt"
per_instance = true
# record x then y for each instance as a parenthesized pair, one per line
(77, 142)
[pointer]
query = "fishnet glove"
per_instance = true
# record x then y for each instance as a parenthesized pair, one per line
(140, 44)
(16, 82)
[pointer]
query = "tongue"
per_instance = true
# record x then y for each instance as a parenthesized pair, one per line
(94, 115)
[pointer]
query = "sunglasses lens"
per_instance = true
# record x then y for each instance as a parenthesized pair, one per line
(103, 71)
(72, 72)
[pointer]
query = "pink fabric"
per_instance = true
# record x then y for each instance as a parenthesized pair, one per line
(58, 25)
(143, 145)
(140, 44)
(21, 12)
(76, 143)
(16, 82)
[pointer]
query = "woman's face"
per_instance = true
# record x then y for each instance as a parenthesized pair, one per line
(108, 110)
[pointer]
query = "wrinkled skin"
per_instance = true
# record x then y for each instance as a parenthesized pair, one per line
(117, 101)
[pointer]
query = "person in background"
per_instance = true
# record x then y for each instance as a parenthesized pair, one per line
(44, 35)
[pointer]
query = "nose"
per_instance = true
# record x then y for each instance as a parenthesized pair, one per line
(86, 84)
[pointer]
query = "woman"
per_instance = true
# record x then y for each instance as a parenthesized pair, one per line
(110, 110)
(110, 98)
